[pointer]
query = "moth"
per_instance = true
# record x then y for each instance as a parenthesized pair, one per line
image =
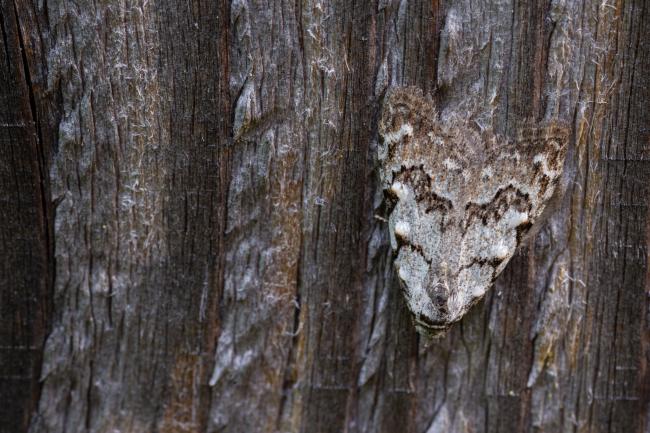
(461, 201)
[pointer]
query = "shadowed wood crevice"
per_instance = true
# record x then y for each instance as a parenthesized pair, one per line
(26, 124)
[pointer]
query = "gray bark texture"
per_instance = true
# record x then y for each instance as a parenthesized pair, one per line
(192, 233)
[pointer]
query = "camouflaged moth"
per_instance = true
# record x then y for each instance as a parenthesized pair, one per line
(460, 201)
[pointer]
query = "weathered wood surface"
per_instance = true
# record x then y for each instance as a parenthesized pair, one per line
(190, 208)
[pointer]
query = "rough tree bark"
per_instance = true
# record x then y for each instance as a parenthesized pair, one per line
(189, 231)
